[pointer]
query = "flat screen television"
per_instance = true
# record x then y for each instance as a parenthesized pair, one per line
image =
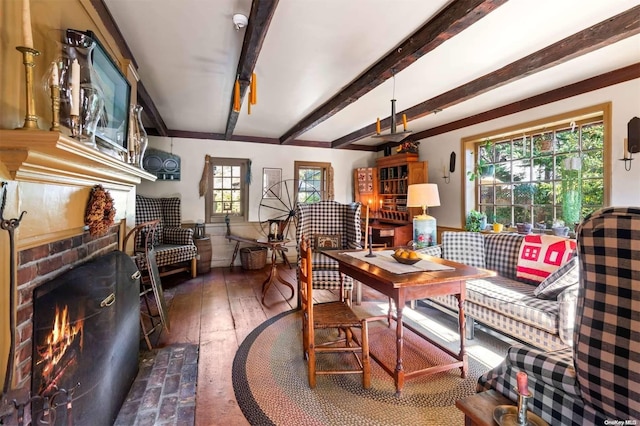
(113, 127)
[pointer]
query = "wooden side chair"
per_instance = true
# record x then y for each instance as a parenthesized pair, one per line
(331, 315)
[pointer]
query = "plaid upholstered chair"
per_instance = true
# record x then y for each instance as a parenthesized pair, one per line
(174, 246)
(329, 225)
(596, 381)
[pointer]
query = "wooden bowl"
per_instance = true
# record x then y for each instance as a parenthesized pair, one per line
(405, 261)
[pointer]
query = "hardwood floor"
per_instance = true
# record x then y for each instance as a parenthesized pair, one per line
(218, 310)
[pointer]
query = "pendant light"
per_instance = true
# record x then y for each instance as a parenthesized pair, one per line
(393, 135)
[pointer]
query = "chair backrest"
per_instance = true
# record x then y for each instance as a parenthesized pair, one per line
(305, 276)
(329, 218)
(464, 247)
(167, 210)
(607, 332)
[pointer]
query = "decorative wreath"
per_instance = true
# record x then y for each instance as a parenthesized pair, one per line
(100, 213)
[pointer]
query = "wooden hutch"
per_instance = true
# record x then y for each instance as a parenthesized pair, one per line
(384, 189)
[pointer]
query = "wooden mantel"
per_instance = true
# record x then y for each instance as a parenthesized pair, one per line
(50, 157)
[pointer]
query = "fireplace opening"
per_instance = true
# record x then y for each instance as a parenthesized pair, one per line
(85, 341)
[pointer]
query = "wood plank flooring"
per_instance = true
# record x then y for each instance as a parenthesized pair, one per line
(218, 310)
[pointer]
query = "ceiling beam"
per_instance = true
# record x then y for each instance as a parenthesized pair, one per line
(452, 20)
(259, 20)
(618, 76)
(607, 32)
(150, 110)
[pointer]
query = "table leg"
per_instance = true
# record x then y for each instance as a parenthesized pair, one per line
(274, 275)
(399, 373)
(235, 253)
(461, 319)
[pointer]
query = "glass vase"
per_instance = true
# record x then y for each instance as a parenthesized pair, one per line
(80, 111)
(138, 137)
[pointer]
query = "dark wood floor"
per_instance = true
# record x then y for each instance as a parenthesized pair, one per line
(218, 310)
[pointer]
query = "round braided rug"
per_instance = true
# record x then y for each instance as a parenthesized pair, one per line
(271, 386)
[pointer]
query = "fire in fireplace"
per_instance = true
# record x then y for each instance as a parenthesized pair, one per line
(86, 339)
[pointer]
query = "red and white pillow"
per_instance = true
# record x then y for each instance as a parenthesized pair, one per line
(541, 255)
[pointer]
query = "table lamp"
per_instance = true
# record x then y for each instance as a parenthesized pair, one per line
(424, 226)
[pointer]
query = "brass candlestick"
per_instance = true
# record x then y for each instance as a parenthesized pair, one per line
(55, 108)
(30, 119)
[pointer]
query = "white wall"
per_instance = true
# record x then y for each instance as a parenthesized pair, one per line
(193, 151)
(625, 190)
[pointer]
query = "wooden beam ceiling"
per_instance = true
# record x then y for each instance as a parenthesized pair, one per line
(456, 17)
(607, 32)
(150, 110)
(259, 19)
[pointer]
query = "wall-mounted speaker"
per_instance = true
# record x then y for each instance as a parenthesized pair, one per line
(633, 135)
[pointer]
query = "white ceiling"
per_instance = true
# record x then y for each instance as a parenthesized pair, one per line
(188, 51)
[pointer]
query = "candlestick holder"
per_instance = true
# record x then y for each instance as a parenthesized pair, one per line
(508, 415)
(370, 245)
(28, 55)
(627, 162)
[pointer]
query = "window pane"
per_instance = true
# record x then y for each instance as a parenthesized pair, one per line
(503, 194)
(522, 193)
(593, 136)
(521, 148)
(521, 214)
(522, 171)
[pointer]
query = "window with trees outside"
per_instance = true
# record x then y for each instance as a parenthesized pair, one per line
(550, 175)
(313, 181)
(228, 193)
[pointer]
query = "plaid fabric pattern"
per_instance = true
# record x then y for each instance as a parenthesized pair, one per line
(607, 337)
(597, 382)
(173, 244)
(464, 247)
(567, 313)
(502, 252)
(563, 277)
(553, 406)
(435, 251)
(326, 218)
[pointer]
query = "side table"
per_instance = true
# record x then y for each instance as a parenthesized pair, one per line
(478, 408)
(204, 254)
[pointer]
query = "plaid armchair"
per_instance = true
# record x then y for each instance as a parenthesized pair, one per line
(597, 380)
(334, 225)
(174, 246)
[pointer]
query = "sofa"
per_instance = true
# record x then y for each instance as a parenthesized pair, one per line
(512, 302)
(597, 380)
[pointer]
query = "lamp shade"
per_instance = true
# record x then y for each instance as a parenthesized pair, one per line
(423, 195)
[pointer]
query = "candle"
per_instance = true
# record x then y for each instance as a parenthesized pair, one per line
(404, 121)
(75, 87)
(624, 148)
(53, 79)
(254, 94)
(521, 379)
(378, 126)
(380, 204)
(27, 36)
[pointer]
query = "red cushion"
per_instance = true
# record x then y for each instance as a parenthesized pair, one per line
(541, 255)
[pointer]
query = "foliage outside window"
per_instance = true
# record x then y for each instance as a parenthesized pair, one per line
(228, 191)
(542, 176)
(313, 181)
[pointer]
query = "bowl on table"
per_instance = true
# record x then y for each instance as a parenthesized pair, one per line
(405, 260)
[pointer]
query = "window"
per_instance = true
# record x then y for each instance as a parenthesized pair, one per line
(228, 192)
(551, 172)
(314, 181)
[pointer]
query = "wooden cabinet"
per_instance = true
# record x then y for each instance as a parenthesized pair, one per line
(395, 173)
(384, 189)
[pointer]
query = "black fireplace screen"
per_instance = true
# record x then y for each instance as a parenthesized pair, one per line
(86, 336)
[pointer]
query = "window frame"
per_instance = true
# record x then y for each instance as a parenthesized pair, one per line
(470, 146)
(210, 216)
(326, 180)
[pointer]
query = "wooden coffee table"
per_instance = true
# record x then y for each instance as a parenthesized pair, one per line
(478, 408)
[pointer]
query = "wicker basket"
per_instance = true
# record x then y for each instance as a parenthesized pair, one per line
(253, 257)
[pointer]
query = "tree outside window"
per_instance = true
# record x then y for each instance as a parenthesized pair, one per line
(227, 195)
(544, 176)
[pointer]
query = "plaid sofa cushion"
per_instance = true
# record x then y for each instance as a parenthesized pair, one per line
(169, 254)
(330, 280)
(502, 252)
(320, 261)
(562, 278)
(608, 330)
(464, 247)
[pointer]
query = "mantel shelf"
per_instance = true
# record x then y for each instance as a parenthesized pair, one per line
(51, 157)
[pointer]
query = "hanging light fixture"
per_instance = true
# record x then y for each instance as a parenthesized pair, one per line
(393, 135)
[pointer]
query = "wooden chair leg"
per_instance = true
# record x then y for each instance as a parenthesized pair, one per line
(194, 268)
(366, 362)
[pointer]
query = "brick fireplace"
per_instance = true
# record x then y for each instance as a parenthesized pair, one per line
(50, 176)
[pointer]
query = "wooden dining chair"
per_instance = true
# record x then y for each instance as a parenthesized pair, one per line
(330, 315)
